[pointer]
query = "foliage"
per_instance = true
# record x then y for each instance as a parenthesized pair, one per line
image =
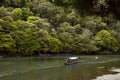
(30, 27)
(17, 13)
(7, 44)
(105, 40)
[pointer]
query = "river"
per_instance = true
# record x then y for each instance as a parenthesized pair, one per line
(53, 68)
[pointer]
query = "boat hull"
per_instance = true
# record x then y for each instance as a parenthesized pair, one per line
(72, 63)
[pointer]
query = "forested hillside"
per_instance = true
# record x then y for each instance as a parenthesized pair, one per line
(32, 27)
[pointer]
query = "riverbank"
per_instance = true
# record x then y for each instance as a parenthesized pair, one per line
(60, 54)
(110, 76)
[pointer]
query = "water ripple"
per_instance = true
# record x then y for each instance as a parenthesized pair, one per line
(14, 72)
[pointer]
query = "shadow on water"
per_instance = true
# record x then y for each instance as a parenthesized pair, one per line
(53, 68)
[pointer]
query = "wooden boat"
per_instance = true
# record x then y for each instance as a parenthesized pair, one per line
(71, 60)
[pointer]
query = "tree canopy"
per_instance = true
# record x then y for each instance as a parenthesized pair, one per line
(33, 27)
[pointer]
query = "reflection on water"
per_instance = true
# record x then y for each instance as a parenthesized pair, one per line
(53, 68)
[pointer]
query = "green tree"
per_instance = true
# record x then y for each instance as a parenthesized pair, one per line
(83, 43)
(26, 38)
(54, 45)
(94, 23)
(105, 41)
(17, 13)
(26, 13)
(4, 12)
(66, 27)
(7, 44)
(67, 39)
(39, 22)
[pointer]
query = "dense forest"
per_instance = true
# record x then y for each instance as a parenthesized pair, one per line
(33, 27)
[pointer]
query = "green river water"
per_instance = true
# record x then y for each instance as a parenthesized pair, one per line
(53, 68)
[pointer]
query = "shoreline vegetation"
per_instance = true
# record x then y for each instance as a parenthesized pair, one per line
(56, 27)
(58, 54)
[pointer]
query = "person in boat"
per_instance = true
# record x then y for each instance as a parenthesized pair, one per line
(72, 60)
